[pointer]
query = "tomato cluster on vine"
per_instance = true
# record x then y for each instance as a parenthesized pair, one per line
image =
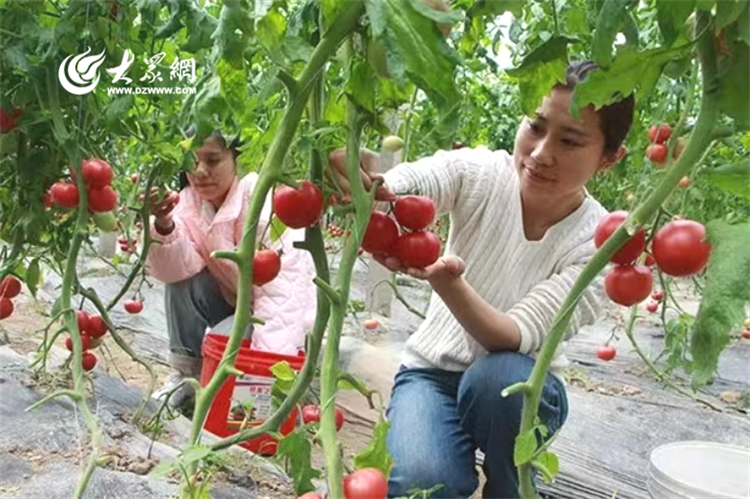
(92, 329)
(10, 287)
(97, 175)
(406, 237)
(678, 249)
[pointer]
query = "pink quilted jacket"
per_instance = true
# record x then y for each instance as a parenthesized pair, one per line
(286, 304)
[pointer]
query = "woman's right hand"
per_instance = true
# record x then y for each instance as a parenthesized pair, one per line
(369, 163)
(162, 208)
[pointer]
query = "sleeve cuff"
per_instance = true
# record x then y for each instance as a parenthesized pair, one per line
(524, 329)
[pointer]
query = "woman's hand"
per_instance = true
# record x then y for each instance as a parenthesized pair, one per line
(162, 208)
(447, 269)
(369, 163)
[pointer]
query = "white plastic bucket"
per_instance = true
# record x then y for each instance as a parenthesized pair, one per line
(107, 243)
(699, 470)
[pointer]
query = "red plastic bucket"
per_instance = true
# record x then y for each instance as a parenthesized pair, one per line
(226, 413)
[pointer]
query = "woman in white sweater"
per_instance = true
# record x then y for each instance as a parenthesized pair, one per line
(521, 231)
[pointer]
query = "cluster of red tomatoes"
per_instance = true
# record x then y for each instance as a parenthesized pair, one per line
(92, 329)
(658, 136)
(97, 175)
(408, 240)
(10, 287)
(678, 249)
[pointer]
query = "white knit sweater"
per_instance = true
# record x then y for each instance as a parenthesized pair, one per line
(528, 280)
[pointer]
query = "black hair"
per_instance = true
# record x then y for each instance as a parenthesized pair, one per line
(615, 119)
(233, 146)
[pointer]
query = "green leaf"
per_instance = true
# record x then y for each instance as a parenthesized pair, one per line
(375, 454)
(550, 463)
(298, 450)
(630, 72)
(611, 17)
(284, 376)
(630, 30)
(495, 8)
(193, 454)
(418, 50)
(734, 86)
(728, 11)
(173, 25)
(540, 70)
(33, 276)
(163, 469)
(361, 85)
(733, 178)
(743, 27)
(277, 229)
(524, 448)
(671, 17)
(727, 291)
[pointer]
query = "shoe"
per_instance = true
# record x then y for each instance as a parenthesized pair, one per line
(181, 396)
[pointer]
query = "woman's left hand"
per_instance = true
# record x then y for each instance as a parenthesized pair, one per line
(446, 269)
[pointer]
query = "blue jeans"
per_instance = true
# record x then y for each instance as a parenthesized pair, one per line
(439, 418)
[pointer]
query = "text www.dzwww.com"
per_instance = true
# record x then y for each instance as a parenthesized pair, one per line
(151, 90)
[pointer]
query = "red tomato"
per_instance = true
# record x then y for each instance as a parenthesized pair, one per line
(657, 295)
(298, 208)
(88, 362)
(367, 483)
(679, 249)
(628, 284)
(311, 414)
(6, 308)
(97, 326)
(10, 287)
(649, 262)
(8, 121)
(83, 320)
(97, 173)
(684, 182)
(414, 212)
(64, 194)
(102, 199)
(85, 342)
(657, 153)
(632, 248)
(652, 306)
(746, 334)
(381, 235)
(663, 131)
(458, 145)
(266, 266)
(418, 249)
(606, 353)
(133, 306)
(134, 178)
(371, 324)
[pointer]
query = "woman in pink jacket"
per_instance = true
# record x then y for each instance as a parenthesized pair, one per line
(201, 291)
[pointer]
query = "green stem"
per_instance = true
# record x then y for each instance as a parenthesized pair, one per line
(270, 170)
(662, 377)
(699, 141)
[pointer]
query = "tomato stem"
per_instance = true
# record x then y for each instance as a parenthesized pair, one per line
(272, 165)
(699, 141)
